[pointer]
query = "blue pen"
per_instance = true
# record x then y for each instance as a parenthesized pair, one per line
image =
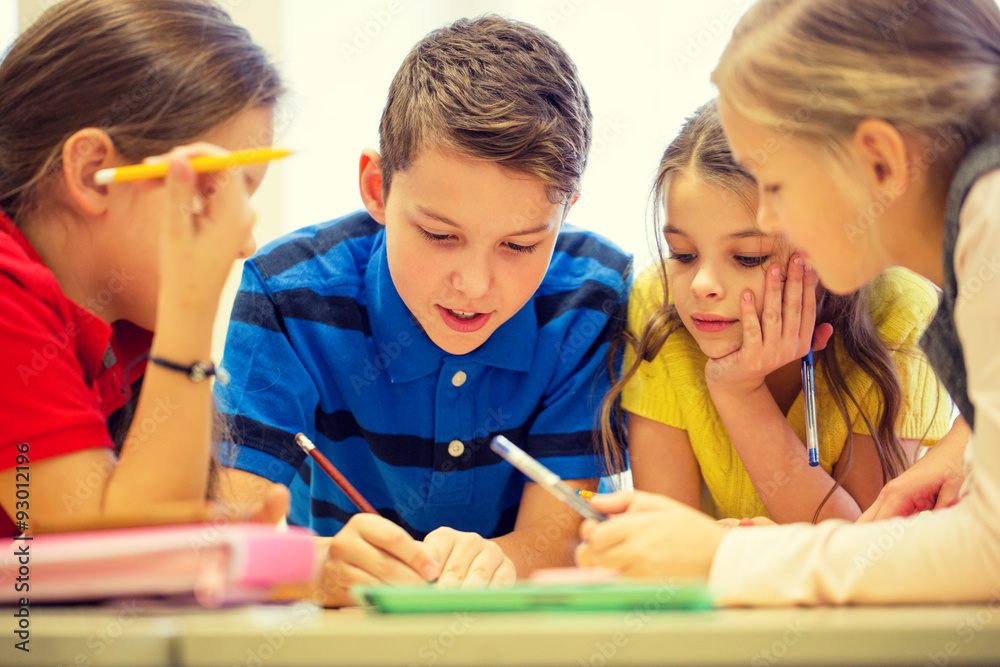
(809, 398)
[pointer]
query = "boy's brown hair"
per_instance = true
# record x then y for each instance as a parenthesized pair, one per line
(492, 89)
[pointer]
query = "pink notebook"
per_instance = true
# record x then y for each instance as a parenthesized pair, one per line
(238, 562)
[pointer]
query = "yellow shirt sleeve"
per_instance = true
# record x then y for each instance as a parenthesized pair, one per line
(651, 392)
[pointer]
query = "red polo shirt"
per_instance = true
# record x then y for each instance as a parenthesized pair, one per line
(63, 369)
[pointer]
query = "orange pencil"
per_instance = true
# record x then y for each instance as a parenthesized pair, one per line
(309, 448)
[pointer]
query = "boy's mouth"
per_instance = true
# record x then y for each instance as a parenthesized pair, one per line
(463, 321)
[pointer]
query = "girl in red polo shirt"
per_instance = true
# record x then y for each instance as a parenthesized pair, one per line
(88, 271)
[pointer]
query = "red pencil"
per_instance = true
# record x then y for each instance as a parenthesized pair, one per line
(309, 448)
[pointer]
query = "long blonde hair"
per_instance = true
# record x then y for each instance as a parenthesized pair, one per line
(701, 150)
(817, 68)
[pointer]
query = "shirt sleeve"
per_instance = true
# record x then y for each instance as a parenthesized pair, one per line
(572, 402)
(947, 555)
(47, 402)
(651, 392)
(270, 396)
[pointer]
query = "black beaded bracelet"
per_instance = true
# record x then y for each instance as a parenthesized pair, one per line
(196, 372)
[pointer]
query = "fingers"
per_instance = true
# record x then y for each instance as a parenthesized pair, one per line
(822, 336)
(771, 319)
(274, 506)
(383, 550)
(871, 514)
(469, 560)
(753, 333)
(612, 503)
(799, 312)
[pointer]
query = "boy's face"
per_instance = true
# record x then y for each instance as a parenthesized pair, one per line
(468, 244)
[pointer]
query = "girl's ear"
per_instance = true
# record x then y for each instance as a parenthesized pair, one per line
(884, 154)
(85, 153)
(370, 182)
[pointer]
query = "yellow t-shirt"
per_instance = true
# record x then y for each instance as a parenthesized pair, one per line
(671, 389)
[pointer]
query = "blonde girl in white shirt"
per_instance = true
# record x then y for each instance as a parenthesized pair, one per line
(873, 130)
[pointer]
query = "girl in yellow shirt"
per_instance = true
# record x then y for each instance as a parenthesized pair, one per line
(710, 397)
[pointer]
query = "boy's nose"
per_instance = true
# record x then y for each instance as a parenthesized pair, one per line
(473, 278)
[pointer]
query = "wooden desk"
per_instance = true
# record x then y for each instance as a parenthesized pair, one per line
(143, 634)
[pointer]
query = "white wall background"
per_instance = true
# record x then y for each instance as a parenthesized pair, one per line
(645, 65)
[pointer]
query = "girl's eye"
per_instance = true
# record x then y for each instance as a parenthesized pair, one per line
(771, 189)
(526, 249)
(433, 237)
(751, 261)
(682, 257)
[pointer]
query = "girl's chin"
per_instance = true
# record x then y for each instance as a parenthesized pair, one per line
(718, 351)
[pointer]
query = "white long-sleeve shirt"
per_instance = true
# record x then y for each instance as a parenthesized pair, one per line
(949, 555)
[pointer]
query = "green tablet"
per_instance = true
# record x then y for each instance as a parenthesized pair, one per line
(529, 596)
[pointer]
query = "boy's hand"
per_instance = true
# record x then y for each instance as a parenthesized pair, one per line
(470, 560)
(649, 535)
(369, 550)
(781, 334)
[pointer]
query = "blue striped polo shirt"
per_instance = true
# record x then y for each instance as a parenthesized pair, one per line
(320, 342)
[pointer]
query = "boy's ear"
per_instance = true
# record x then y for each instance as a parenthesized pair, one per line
(569, 205)
(85, 153)
(370, 183)
(883, 154)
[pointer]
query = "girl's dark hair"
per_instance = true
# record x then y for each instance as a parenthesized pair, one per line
(153, 74)
(700, 150)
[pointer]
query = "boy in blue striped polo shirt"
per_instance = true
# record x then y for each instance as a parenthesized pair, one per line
(459, 305)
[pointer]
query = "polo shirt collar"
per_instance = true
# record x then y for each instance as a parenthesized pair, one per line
(511, 346)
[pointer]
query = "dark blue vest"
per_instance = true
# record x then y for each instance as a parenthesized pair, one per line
(940, 342)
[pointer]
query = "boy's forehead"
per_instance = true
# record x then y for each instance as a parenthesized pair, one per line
(430, 158)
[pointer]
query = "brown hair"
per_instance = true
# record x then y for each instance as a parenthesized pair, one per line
(492, 89)
(701, 151)
(819, 67)
(153, 74)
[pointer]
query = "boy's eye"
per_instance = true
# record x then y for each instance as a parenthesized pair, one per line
(433, 237)
(750, 261)
(683, 258)
(522, 248)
